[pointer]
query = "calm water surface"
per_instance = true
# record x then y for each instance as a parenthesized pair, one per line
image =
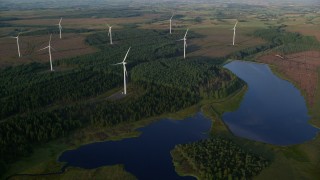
(272, 110)
(147, 156)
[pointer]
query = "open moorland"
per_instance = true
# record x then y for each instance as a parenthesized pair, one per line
(44, 113)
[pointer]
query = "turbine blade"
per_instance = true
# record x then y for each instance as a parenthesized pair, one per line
(43, 48)
(126, 55)
(50, 38)
(53, 48)
(60, 21)
(117, 63)
(186, 33)
(235, 25)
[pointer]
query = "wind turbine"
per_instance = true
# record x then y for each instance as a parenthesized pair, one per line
(18, 43)
(109, 33)
(184, 39)
(234, 32)
(49, 47)
(60, 27)
(170, 22)
(125, 73)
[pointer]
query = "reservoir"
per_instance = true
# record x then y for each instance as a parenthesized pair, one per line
(147, 156)
(272, 111)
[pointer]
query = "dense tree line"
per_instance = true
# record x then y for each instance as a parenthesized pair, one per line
(241, 54)
(197, 76)
(146, 45)
(55, 30)
(280, 40)
(157, 100)
(38, 106)
(220, 158)
(288, 42)
(19, 133)
(65, 88)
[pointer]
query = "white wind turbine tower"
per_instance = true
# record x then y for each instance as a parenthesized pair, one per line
(184, 39)
(171, 22)
(17, 37)
(60, 27)
(234, 33)
(124, 71)
(109, 33)
(49, 47)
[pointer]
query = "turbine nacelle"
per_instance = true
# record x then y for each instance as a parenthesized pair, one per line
(171, 23)
(17, 37)
(234, 33)
(60, 27)
(125, 73)
(234, 28)
(184, 39)
(110, 33)
(171, 16)
(49, 48)
(235, 24)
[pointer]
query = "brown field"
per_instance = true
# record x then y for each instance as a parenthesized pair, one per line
(70, 45)
(218, 35)
(301, 68)
(218, 41)
(306, 29)
(90, 23)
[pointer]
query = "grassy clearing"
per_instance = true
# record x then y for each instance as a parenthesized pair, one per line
(215, 109)
(315, 110)
(115, 172)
